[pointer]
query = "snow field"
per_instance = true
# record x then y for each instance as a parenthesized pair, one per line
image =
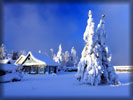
(64, 85)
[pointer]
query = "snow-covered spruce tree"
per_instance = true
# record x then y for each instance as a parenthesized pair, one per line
(52, 53)
(67, 58)
(23, 52)
(58, 58)
(3, 52)
(74, 57)
(95, 65)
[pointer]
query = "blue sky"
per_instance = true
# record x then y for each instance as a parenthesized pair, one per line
(41, 26)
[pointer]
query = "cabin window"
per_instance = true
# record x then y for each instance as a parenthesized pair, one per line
(41, 69)
(33, 69)
(26, 68)
(52, 69)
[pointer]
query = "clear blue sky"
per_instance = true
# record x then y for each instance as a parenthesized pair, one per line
(41, 26)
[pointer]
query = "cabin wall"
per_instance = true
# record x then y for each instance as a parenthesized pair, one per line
(39, 69)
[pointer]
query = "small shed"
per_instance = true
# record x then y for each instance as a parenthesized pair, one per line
(38, 63)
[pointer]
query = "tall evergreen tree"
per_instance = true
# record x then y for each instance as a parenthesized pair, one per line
(58, 58)
(74, 57)
(95, 64)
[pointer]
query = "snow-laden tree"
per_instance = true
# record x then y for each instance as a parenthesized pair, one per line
(95, 65)
(55, 58)
(74, 57)
(62, 62)
(51, 53)
(67, 58)
(23, 52)
(2, 52)
(58, 58)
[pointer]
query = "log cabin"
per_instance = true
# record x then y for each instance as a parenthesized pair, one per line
(36, 63)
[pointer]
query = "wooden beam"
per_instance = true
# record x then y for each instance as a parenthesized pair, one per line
(29, 69)
(36, 70)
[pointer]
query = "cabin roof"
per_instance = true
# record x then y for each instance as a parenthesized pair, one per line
(18, 60)
(4, 61)
(41, 58)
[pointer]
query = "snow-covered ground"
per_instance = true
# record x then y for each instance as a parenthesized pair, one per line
(63, 85)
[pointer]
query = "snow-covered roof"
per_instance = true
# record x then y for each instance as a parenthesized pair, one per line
(7, 67)
(42, 59)
(22, 57)
(4, 61)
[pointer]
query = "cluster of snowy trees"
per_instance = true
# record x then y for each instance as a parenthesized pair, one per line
(95, 65)
(65, 58)
(4, 54)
